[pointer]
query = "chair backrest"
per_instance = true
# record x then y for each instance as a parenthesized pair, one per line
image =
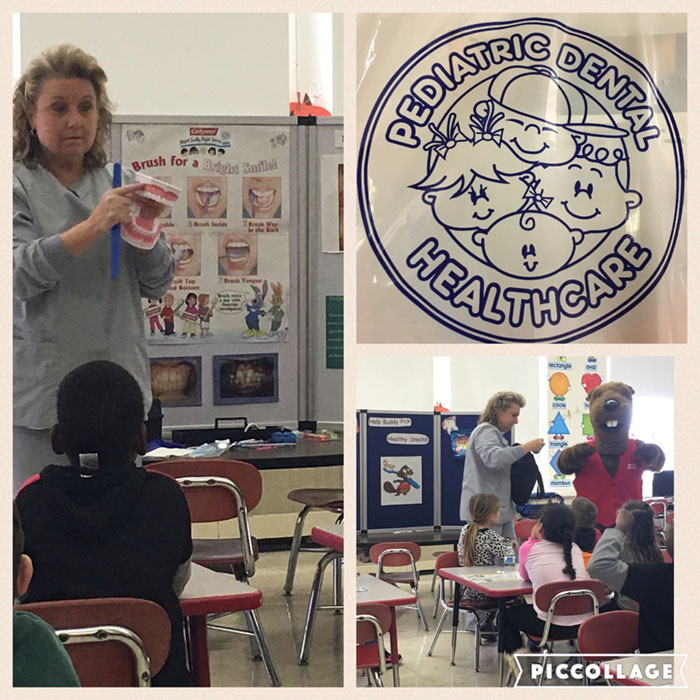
(613, 633)
(366, 632)
(570, 597)
(395, 559)
(667, 557)
(112, 659)
(523, 528)
(447, 560)
(216, 502)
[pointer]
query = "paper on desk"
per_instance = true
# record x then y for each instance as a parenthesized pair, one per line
(162, 452)
(497, 576)
(361, 589)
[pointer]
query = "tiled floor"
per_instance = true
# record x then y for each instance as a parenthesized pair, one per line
(283, 621)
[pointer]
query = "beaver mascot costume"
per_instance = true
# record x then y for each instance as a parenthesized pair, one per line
(609, 470)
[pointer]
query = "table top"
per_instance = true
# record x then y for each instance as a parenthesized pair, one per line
(305, 453)
(425, 537)
(209, 591)
(371, 590)
(495, 581)
(630, 670)
(328, 536)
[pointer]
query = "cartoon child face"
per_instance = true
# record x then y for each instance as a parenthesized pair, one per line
(191, 299)
(482, 204)
(168, 299)
(588, 196)
(530, 245)
(537, 141)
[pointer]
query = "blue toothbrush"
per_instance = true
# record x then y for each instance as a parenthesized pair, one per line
(116, 229)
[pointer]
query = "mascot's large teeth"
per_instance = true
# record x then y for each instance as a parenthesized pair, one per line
(611, 424)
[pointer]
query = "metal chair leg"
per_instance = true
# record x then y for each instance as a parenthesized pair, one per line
(337, 584)
(313, 605)
(438, 630)
(294, 551)
(419, 607)
(254, 622)
(477, 643)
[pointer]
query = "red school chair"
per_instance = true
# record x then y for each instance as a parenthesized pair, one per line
(667, 557)
(216, 490)
(607, 635)
(373, 622)
(523, 528)
(394, 554)
(566, 598)
(445, 561)
(112, 642)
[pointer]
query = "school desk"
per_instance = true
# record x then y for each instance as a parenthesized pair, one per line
(370, 589)
(500, 582)
(327, 536)
(210, 592)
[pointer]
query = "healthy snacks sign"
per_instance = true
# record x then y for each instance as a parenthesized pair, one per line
(522, 181)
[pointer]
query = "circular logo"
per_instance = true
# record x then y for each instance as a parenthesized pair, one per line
(522, 181)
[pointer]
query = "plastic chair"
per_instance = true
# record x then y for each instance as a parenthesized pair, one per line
(523, 528)
(373, 622)
(393, 554)
(312, 499)
(112, 642)
(605, 636)
(222, 489)
(667, 557)
(566, 598)
(445, 561)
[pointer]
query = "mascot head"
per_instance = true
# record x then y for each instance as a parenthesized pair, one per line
(610, 407)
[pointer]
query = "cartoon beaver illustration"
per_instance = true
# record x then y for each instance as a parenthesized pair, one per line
(404, 482)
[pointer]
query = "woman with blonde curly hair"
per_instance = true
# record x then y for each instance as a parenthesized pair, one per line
(489, 457)
(67, 310)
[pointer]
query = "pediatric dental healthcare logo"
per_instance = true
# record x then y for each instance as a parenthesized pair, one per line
(522, 181)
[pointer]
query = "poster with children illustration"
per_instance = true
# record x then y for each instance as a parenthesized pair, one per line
(521, 180)
(400, 481)
(228, 230)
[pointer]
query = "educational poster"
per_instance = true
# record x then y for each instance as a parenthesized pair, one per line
(400, 481)
(245, 379)
(523, 180)
(228, 230)
(570, 379)
(177, 381)
(332, 203)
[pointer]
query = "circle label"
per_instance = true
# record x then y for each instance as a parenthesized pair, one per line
(522, 181)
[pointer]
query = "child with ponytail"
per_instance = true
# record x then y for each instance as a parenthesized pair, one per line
(479, 545)
(554, 557)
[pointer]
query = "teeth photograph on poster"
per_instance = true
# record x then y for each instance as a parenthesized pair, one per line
(522, 179)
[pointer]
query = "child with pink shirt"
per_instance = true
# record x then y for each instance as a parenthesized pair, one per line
(549, 555)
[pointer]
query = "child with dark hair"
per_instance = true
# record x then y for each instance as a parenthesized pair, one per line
(554, 557)
(585, 514)
(101, 526)
(650, 584)
(39, 658)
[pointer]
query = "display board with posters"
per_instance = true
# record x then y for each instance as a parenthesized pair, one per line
(569, 381)
(229, 229)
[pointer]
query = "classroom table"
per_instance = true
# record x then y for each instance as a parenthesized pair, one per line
(304, 454)
(500, 582)
(370, 589)
(327, 536)
(210, 592)
(620, 669)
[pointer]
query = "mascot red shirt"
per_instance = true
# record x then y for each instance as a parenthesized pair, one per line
(609, 470)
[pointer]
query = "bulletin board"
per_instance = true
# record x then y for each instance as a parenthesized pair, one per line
(234, 232)
(399, 458)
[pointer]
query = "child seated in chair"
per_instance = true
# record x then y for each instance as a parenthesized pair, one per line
(100, 526)
(39, 658)
(479, 545)
(649, 584)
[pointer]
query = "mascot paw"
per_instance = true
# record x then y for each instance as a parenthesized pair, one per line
(572, 458)
(651, 456)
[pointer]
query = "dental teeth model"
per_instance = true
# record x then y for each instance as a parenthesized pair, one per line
(142, 230)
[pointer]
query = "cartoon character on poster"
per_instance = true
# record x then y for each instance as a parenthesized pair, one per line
(400, 479)
(255, 312)
(190, 316)
(168, 313)
(205, 312)
(276, 312)
(153, 311)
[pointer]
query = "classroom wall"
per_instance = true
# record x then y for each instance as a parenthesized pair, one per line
(395, 383)
(223, 64)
